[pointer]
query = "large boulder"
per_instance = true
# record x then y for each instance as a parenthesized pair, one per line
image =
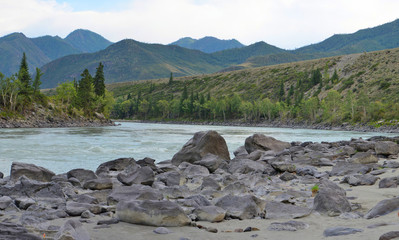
(278, 210)
(31, 171)
(153, 213)
(82, 175)
(244, 166)
(15, 231)
(115, 165)
(383, 207)
(210, 213)
(241, 207)
(386, 148)
(200, 145)
(331, 199)
(344, 168)
(364, 158)
(98, 184)
(76, 209)
(264, 143)
(211, 161)
(139, 175)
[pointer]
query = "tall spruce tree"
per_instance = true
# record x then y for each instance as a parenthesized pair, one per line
(171, 78)
(24, 76)
(99, 81)
(36, 83)
(85, 93)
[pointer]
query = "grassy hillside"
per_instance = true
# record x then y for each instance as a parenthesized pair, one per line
(131, 60)
(87, 41)
(370, 81)
(54, 47)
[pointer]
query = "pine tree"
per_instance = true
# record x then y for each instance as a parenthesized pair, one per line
(99, 81)
(85, 92)
(171, 78)
(36, 83)
(24, 76)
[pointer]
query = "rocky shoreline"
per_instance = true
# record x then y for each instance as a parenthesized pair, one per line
(292, 124)
(269, 190)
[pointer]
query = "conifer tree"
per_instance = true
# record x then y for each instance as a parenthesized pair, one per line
(85, 91)
(99, 81)
(171, 78)
(36, 83)
(24, 76)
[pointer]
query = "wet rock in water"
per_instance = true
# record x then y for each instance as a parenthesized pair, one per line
(98, 184)
(278, 210)
(72, 229)
(357, 180)
(340, 231)
(210, 213)
(139, 175)
(82, 175)
(115, 165)
(264, 143)
(30, 171)
(1, 175)
(389, 182)
(345, 168)
(241, 207)
(389, 235)
(134, 192)
(15, 231)
(287, 226)
(383, 207)
(200, 145)
(364, 158)
(162, 230)
(386, 148)
(331, 199)
(153, 213)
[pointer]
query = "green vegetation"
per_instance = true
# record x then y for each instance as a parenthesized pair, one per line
(301, 92)
(19, 95)
(207, 44)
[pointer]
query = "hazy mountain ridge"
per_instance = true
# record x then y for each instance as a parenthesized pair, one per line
(208, 44)
(42, 50)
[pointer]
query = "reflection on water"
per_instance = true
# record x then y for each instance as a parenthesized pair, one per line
(62, 149)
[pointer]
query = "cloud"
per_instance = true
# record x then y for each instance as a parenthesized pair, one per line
(284, 23)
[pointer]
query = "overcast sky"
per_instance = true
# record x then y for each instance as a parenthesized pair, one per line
(287, 24)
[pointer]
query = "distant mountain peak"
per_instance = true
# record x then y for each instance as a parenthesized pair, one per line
(87, 41)
(208, 44)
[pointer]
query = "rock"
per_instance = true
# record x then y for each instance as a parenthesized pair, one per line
(362, 146)
(241, 207)
(1, 175)
(331, 199)
(192, 171)
(389, 235)
(240, 151)
(236, 188)
(30, 171)
(278, 210)
(364, 158)
(357, 180)
(339, 231)
(386, 148)
(284, 167)
(212, 162)
(171, 178)
(287, 176)
(108, 221)
(383, 207)
(148, 162)
(194, 201)
(87, 214)
(72, 230)
(287, 226)
(344, 168)
(82, 175)
(210, 213)
(245, 166)
(210, 183)
(5, 201)
(391, 164)
(115, 165)
(24, 202)
(134, 192)
(390, 182)
(306, 170)
(200, 145)
(11, 231)
(142, 175)
(98, 184)
(161, 230)
(211, 229)
(153, 213)
(76, 209)
(264, 143)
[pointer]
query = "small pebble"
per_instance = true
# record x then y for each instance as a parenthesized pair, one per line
(239, 230)
(212, 230)
(161, 230)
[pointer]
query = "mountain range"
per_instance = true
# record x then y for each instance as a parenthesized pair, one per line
(42, 50)
(130, 60)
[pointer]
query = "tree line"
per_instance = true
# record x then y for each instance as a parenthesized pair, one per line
(288, 105)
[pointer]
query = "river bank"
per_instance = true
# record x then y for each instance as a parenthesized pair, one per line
(270, 189)
(277, 124)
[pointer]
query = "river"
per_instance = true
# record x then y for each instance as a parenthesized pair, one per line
(63, 149)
